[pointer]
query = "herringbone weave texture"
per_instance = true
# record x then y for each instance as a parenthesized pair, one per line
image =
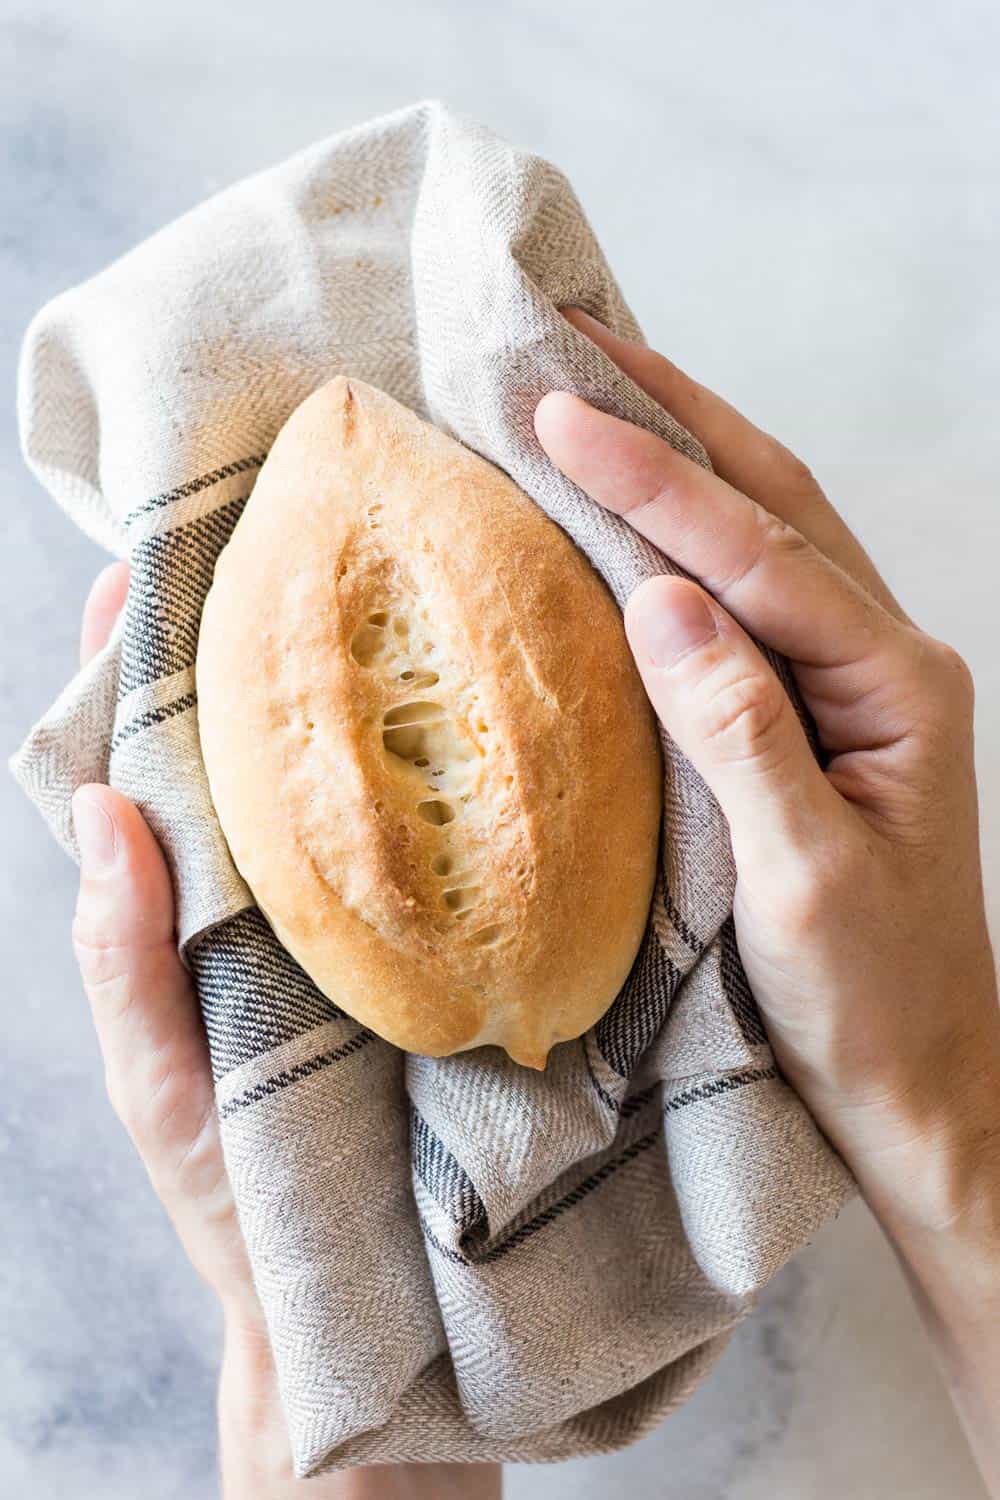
(461, 1258)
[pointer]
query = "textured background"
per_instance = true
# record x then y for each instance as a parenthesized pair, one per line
(803, 205)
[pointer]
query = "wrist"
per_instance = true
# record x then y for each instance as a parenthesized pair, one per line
(925, 1148)
(939, 1182)
(914, 1108)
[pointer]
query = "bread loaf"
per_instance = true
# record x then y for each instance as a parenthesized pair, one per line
(425, 738)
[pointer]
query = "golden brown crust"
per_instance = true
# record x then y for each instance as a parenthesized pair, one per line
(426, 741)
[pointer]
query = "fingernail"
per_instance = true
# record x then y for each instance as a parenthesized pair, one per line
(668, 628)
(95, 833)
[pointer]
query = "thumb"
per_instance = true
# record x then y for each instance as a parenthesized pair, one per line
(144, 1008)
(721, 702)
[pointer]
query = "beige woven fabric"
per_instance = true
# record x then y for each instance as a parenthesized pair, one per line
(457, 1258)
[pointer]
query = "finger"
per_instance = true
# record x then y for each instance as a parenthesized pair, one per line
(746, 457)
(143, 1004)
(759, 567)
(104, 604)
(721, 702)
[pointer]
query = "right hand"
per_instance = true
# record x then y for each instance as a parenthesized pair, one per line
(859, 905)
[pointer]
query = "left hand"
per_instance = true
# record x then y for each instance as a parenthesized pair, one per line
(159, 1081)
(149, 1026)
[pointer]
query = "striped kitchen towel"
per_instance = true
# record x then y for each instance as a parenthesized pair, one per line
(457, 1258)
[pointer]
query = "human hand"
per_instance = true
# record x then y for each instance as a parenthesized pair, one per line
(159, 1081)
(157, 1070)
(859, 907)
(158, 1076)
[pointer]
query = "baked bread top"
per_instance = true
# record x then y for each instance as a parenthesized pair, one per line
(425, 737)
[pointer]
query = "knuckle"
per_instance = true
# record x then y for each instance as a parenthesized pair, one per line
(790, 474)
(158, 1098)
(828, 870)
(101, 961)
(938, 688)
(780, 537)
(770, 538)
(120, 1098)
(741, 717)
(797, 477)
(808, 894)
(139, 1098)
(955, 673)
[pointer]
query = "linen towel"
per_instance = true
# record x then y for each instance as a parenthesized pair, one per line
(457, 1258)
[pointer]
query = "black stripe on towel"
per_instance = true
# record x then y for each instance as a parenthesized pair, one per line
(443, 1176)
(717, 1086)
(554, 1211)
(736, 988)
(678, 923)
(626, 1030)
(170, 576)
(253, 994)
(153, 716)
(590, 1183)
(295, 1074)
(193, 486)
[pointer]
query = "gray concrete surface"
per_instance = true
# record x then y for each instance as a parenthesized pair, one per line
(802, 205)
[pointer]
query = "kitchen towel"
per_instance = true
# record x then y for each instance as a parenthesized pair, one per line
(457, 1258)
